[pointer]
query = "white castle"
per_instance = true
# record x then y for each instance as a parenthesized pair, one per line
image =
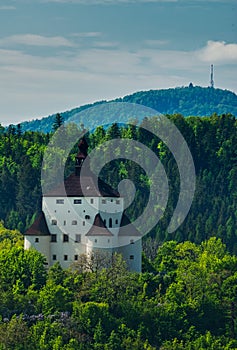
(79, 217)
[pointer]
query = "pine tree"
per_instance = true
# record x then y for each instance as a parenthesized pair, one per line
(58, 121)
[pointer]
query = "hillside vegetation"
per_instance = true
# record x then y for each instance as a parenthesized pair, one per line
(188, 101)
(212, 142)
(184, 299)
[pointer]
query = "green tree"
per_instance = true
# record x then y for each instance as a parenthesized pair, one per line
(58, 121)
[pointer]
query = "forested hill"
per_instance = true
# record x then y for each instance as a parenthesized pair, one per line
(188, 101)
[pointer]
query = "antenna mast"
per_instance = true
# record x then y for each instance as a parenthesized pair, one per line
(212, 77)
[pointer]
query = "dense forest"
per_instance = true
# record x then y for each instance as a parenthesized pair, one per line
(188, 101)
(212, 142)
(185, 297)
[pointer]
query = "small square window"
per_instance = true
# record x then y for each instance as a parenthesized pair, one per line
(53, 238)
(76, 257)
(103, 201)
(117, 201)
(131, 241)
(78, 238)
(131, 257)
(59, 201)
(36, 240)
(77, 201)
(65, 238)
(65, 257)
(54, 222)
(74, 222)
(54, 257)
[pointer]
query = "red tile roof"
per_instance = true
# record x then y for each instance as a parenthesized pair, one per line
(39, 227)
(73, 187)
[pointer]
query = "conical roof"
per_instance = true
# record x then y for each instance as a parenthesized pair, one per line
(99, 228)
(39, 227)
(128, 229)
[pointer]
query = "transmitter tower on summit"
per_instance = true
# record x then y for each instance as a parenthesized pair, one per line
(212, 76)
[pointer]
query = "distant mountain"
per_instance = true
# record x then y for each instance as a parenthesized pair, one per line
(188, 101)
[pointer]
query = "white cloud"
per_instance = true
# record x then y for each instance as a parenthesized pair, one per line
(219, 51)
(87, 34)
(156, 43)
(89, 74)
(106, 44)
(7, 8)
(107, 2)
(36, 40)
(115, 2)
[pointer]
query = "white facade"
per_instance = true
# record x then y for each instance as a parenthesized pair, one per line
(72, 223)
(69, 221)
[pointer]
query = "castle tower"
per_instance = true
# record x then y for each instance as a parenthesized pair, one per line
(79, 217)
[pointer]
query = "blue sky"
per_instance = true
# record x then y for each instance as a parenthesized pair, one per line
(59, 54)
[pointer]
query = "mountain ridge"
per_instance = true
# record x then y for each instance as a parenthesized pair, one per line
(188, 101)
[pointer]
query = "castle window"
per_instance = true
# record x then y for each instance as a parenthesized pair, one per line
(92, 200)
(117, 201)
(110, 222)
(131, 257)
(83, 223)
(111, 200)
(59, 201)
(36, 240)
(108, 240)
(95, 240)
(105, 222)
(54, 257)
(78, 238)
(74, 222)
(87, 217)
(65, 238)
(64, 222)
(76, 257)
(65, 257)
(116, 221)
(77, 201)
(53, 222)
(53, 238)
(103, 201)
(131, 241)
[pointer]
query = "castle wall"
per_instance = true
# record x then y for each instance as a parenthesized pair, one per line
(74, 217)
(40, 243)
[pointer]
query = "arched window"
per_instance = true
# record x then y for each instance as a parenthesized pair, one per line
(110, 222)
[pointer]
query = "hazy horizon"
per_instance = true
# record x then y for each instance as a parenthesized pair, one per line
(60, 54)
